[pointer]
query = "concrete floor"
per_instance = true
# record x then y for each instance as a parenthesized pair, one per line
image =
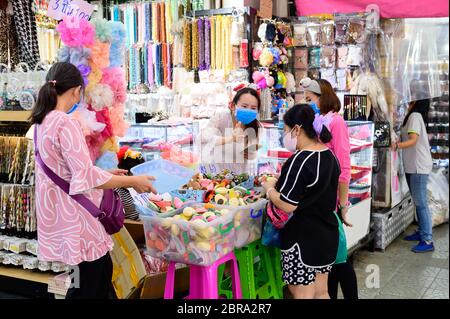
(404, 274)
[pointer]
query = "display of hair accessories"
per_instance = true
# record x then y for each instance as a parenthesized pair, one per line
(355, 107)
(341, 25)
(328, 57)
(17, 160)
(356, 32)
(342, 53)
(313, 36)
(327, 32)
(300, 30)
(329, 75)
(314, 57)
(301, 58)
(17, 211)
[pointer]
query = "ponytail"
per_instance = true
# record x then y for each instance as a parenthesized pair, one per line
(46, 102)
(325, 135)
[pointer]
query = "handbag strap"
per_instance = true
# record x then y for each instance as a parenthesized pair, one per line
(81, 199)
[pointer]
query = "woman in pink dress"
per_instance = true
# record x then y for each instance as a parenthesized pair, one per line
(66, 231)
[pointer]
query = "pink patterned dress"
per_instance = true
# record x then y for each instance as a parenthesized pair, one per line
(66, 231)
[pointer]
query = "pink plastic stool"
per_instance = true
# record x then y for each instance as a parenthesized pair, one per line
(203, 281)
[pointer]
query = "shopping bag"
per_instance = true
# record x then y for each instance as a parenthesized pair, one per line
(270, 235)
(341, 256)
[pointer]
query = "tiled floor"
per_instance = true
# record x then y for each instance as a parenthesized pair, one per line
(404, 274)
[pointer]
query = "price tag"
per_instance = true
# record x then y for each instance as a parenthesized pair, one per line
(60, 9)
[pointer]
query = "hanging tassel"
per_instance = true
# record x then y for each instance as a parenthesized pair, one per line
(195, 45)
(244, 54)
(212, 21)
(201, 41)
(207, 44)
(187, 53)
(151, 81)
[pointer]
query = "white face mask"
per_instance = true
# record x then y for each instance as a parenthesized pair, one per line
(289, 142)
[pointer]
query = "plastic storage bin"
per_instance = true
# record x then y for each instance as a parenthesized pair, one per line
(189, 242)
(248, 223)
(169, 176)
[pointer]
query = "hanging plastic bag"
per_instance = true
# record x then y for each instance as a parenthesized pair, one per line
(270, 235)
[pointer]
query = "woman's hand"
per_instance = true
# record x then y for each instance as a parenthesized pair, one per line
(344, 211)
(118, 171)
(142, 184)
(269, 183)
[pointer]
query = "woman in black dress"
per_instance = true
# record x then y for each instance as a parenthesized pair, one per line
(307, 189)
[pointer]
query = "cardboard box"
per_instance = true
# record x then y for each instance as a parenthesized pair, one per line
(129, 270)
(154, 285)
(136, 230)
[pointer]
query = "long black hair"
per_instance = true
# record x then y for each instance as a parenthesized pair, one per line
(255, 124)
(303, 115)
(61, 77)
(420, 106)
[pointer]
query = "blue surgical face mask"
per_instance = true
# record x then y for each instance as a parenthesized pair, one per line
(315, 107)
(246, 116)
(74, 107)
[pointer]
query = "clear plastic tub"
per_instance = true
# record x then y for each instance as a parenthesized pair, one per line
(189, 242)
(169, 176)
(248, 223)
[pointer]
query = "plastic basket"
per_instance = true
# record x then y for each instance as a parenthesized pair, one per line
(249, 184)
(169, 176)
(248, 223)
(189, 195)
(185, 242)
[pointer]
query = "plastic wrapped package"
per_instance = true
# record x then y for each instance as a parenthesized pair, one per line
(18, 245)
(411, 55)
(314, 57)
(327, 32)
(44, 265)
(329, 75)
(313, 37)
(341, 79)
(341, 24)
(59, 267)
(369, 84)
(342, 53)
(300, 30)
(13, 259)
(438, 196)
(30, 262)
(356, 32)
(328, 57)
(301, 58)
(354, 55)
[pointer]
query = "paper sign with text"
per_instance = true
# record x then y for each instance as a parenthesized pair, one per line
(60, 9)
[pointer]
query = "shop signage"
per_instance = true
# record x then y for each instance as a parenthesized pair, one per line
(388, 8)
(60, 9)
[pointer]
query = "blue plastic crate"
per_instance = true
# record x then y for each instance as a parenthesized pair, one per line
(169, 176)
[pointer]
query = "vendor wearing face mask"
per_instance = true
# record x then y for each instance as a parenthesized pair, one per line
(231, 137)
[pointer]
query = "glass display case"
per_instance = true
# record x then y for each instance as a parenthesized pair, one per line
(153, 139)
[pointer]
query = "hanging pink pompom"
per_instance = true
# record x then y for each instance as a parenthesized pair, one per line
(115, 78)
(99, 55)
(75, 32)
(118, 123)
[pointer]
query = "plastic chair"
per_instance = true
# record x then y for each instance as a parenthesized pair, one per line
(203, 280)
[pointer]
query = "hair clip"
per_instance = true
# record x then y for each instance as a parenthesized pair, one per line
(52, 82)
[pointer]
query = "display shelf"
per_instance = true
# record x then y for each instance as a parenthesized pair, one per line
(15, 116)
(359, 148)
(24, 274)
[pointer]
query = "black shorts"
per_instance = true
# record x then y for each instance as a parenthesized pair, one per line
(295, 272)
